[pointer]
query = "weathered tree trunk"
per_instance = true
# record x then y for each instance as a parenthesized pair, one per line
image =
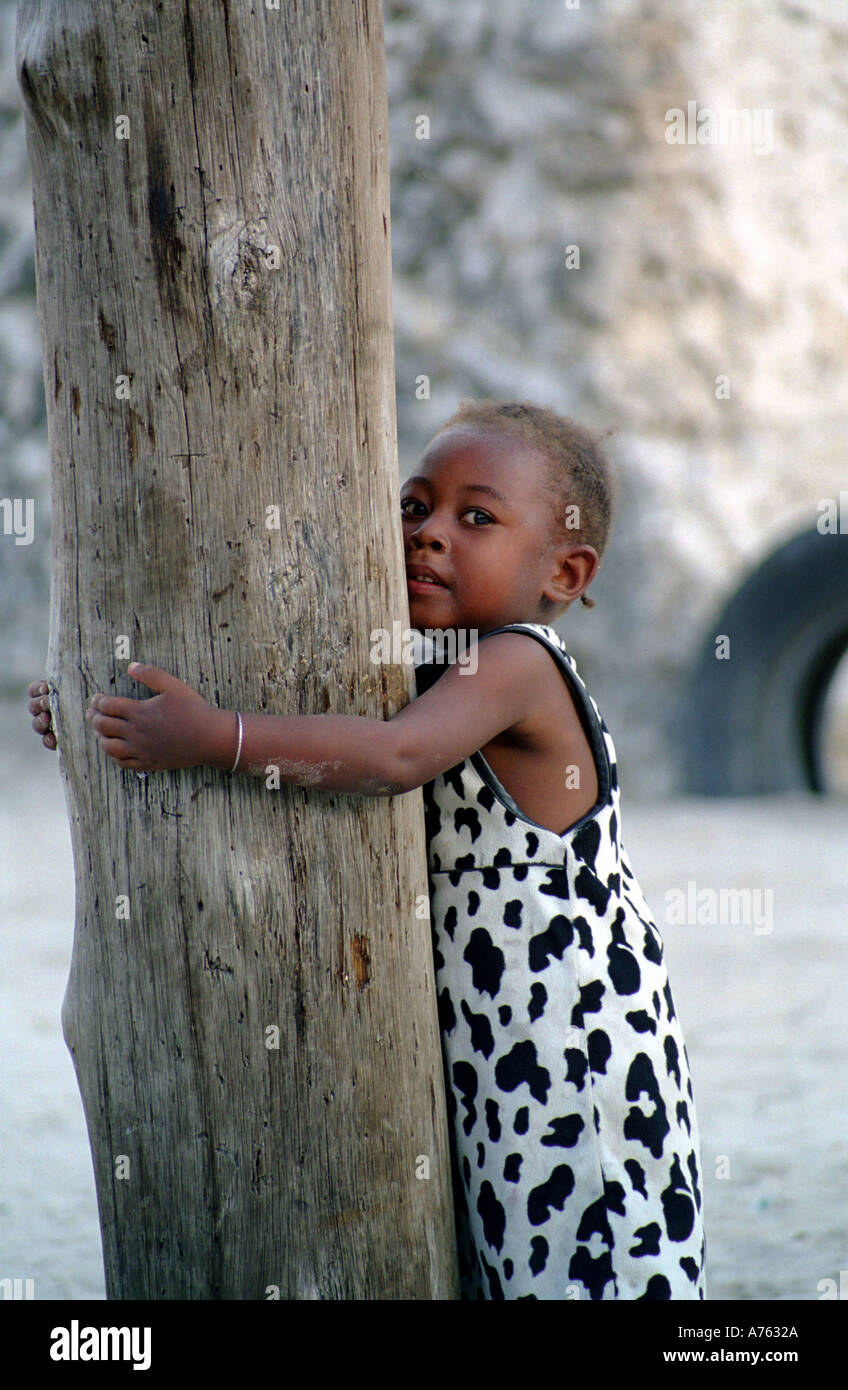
(214, 284)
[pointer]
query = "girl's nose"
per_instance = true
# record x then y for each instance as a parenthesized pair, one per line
(430, 533)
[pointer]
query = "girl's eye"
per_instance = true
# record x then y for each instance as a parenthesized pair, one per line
(407, 503)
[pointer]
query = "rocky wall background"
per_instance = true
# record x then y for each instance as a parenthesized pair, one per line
(706, 321)
(24, 460)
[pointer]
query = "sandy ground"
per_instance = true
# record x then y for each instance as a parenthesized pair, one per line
(763, 1011)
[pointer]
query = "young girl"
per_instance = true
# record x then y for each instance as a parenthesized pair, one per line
(574, 1141)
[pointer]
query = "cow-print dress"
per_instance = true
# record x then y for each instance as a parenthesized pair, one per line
(574, 1141)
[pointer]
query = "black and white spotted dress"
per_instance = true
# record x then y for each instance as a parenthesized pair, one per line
(574, 1141)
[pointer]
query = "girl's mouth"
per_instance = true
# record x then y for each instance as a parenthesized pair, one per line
(418, 584)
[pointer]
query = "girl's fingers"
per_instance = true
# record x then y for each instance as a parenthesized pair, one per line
(117, 706)
(109, 727)
(49, 740)
(157, 679)
(117, 748)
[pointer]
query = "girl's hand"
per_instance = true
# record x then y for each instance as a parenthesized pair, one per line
(152, 735)
(39, 707)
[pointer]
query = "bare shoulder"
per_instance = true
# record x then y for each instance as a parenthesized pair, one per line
(503, 683)
(529, 756)
(550, 704)
(517, 654)
(525, 668)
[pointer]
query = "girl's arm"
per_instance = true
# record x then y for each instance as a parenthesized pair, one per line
(344, 753)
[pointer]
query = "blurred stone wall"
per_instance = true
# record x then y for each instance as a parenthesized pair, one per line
(24, 459)
(548, 130)
(706, 322)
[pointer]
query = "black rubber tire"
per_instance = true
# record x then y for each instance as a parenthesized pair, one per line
(752, 724)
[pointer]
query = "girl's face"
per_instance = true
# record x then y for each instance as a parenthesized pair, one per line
(476, 515)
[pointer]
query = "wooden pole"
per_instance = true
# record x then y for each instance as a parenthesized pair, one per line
(251, 1006)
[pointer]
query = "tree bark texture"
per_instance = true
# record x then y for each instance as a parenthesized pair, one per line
(214, 284)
